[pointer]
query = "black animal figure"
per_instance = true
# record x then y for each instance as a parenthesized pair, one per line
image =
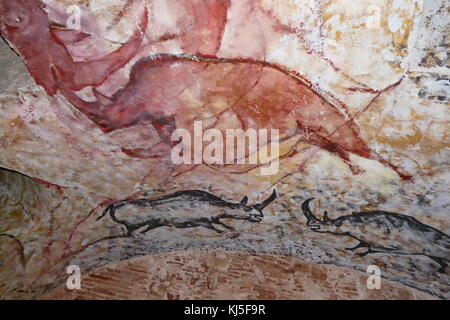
(381, 231)
(186, 209)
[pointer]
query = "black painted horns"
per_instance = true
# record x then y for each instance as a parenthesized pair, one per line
(307, 211)
(266, 202)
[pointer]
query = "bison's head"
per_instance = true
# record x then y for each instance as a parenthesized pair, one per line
(315, 223)
(255, 213)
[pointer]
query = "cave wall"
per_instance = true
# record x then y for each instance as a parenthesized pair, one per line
(388, 78)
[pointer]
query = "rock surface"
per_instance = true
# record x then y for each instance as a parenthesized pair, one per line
(70, 170)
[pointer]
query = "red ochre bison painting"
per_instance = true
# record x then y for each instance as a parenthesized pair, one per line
(172, 91)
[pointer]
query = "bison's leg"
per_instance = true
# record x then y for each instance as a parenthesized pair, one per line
(208, 223)
(94, 73)
(152, 225)
(373, 248)
(149, 227)
(130, 229)
(211, 226)
(217, 221)
(363, 254)
(359, 245)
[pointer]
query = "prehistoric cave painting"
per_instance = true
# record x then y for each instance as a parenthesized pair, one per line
(434, 88)
(385, 232)
(22, 22)
(187, 209)
(171, 91)
(200, 24)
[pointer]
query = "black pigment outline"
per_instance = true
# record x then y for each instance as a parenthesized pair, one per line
(380, 219)
(191, 195)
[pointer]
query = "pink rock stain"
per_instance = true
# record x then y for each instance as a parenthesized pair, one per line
(259, 94)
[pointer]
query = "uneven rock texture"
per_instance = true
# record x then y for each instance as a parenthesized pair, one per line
(227, 275)
(14, 73)
(387, 77)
